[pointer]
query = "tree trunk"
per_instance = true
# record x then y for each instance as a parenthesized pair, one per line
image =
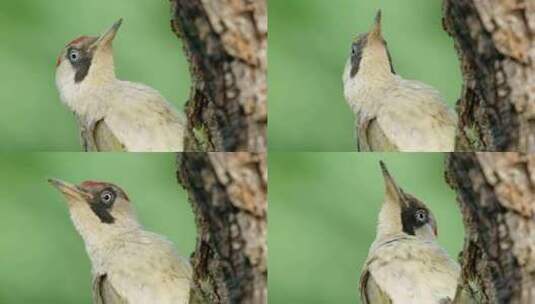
(496, 194)
(228, 193)
(226, 44)
(495, 40)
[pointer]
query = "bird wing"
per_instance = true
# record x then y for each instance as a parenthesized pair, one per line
(146, 269)
(416, 119)
(371, 137)
(142, 120)
(104, 139)
(86, 134)
(370, 292)
(104, 292)
(410, 270)
(363, 122)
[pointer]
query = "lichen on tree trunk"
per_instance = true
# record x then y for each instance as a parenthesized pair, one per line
(496, 194)
(228, 193)
(495, 40)
(226, 44)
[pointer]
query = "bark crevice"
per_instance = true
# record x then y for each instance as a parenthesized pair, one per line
(228, 194)
(497, 199)
(226, 45)
(496, 49)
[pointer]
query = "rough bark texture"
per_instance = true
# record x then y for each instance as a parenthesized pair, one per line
(496, 194)
(226, 43)
(228, 193)
(495, 40)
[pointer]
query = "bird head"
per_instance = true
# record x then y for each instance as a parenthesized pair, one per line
(403, 213)
(98, 209)
(86, 60)
(369, 55)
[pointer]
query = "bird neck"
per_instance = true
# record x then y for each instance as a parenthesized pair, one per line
(90, 96)
(99, 248)
(375, 73)
(102, 70)
(98, 236)
(367, 87)
(376, 65)
(88, 99)
(389, 223)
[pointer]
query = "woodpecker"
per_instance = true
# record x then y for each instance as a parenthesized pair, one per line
(129, 264)
(392, 113)
(405, 263)
(112, 114)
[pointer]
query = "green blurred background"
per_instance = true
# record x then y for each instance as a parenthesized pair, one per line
(33, 32)
(323, 213)
(42, 257)
(309, 43)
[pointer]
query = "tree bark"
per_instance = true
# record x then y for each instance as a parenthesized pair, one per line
(226, 44)
(496, 194)
(228, 193)
(495, 40)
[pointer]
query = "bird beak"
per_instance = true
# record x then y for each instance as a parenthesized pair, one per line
(393, 192)
(107, 38)
(376, 31)
(70, 191)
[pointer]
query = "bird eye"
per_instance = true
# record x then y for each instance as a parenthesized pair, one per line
(421, 216)
(107, 197)
(74, 55)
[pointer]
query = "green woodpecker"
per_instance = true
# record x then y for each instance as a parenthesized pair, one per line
(129, 264)
(405, 263)
(114, 115)
(392, 113)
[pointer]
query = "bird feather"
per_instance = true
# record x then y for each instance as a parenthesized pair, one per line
(104, 292)
(409, 270)
(105, 139)
(370, 292)
(414, 122)
(372, 138)
(146, 269)
(144, 121)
